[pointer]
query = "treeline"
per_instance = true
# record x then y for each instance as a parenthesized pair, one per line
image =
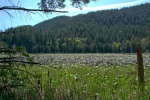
(109, 31)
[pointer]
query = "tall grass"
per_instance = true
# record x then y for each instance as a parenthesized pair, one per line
(79, 82)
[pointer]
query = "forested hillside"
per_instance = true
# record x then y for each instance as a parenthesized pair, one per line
(108, 31)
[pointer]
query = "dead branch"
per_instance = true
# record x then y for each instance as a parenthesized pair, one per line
(19, 62)
(10, 58)
(7, 51)
(29, 10)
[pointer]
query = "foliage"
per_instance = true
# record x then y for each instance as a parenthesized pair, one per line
(110, 31)
(82, 82)
(46, 6)
(13, 72)
(54, 4)
(51, 4)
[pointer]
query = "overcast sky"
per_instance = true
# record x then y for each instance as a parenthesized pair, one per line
(19, 19)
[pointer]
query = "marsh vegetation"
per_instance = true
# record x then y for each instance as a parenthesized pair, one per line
(80, 77)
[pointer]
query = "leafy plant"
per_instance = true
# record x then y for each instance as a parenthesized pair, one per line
(13, 72)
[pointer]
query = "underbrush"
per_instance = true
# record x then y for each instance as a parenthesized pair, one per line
(79, 82)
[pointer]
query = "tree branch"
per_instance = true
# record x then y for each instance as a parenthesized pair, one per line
(20, 62)
(10, 58)
(29, 10)
(7, 51)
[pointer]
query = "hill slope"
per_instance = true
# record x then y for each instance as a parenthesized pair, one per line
(101, 31)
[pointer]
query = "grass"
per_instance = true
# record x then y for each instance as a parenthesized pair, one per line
(78, 82)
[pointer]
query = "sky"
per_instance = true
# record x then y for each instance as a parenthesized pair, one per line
(24, 18)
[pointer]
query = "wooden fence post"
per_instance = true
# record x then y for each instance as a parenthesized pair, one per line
(140, 66)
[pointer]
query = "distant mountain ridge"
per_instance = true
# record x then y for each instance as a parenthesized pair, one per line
(107, 31)
(100, 16)
(54, 22)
